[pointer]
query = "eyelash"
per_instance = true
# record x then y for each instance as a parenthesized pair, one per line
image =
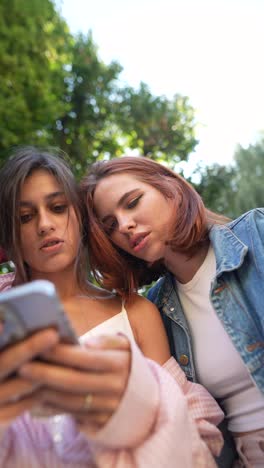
(60, 208)
(134, 202)
(25, 218)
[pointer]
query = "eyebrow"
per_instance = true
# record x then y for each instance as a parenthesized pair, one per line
(120, 202)
(48, 197)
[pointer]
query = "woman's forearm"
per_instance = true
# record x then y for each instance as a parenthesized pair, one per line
(161, 418)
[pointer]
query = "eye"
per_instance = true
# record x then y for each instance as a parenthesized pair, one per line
(25, 218)
(60, 208)
(133, 202)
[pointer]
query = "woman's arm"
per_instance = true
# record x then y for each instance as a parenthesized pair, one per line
(25, 440)
(154, 421)
(150, 428)
(16, 393)
(148, 329)
(178, 419)
(153, 424)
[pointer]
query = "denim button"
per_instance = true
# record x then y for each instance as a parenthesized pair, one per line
(183, 360)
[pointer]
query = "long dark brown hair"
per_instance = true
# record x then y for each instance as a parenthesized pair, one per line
(13, 173)
(119, 270)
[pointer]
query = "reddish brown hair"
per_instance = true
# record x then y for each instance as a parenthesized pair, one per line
(115, 269)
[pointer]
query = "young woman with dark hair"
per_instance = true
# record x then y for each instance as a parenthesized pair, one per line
(104, 403)
(145, 222)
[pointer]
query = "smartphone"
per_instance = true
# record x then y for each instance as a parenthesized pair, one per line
(29, 308)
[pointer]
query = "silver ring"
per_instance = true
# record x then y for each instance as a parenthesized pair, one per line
(88, 401)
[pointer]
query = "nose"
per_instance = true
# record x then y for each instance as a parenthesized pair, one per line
(45, 223)
(126, 224)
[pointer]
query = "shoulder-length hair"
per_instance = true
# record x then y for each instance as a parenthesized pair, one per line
(13, 173)
(116, 269)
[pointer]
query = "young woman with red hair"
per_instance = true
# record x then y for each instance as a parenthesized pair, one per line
(146, 222)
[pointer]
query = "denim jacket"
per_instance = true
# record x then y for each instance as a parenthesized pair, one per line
(237, 295)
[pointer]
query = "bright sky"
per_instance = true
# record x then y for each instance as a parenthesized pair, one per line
(209, 50)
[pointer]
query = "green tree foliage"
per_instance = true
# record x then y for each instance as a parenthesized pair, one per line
(233, 190)
(248, 183)
(34, 47)
(105, 120)
(216, 187)
(160, 128)
(88, 130)
(55, 90)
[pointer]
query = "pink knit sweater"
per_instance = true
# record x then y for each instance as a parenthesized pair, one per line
(162, 421)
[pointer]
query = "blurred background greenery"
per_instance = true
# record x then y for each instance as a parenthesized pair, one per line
(55, 90)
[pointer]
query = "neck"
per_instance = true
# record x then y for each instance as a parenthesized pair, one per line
(182, 266)
(64, 281)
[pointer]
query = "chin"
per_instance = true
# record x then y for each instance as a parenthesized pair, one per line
(56, 267)
(155, 257)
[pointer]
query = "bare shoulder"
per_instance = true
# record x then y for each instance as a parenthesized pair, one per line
(138, 305)
(148, 328)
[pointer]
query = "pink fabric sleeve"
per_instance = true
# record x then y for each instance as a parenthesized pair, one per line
(203, 408)
(161, 418)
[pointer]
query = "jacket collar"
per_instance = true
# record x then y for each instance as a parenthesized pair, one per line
(229, 252)
(228, 248)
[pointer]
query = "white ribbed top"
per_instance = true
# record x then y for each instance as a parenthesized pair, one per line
(219, 365)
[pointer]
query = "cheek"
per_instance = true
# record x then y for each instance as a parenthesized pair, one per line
(28, 252)
(77, 238)
(119, 240)
(72, 224)
(25, 239)
(74, 234)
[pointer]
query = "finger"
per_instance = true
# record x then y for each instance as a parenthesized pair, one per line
(89, 422)
(75, 402)
(90, 428)
(42, 411)
(72, 380)
(26, 350)
(89, 359)
(12, 410)
(96, 419)
(92, 422)
(15, 389)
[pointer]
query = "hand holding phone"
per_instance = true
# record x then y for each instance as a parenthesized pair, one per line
(29, 308)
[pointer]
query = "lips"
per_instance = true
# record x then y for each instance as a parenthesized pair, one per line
(51, 242)
(139, 241)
